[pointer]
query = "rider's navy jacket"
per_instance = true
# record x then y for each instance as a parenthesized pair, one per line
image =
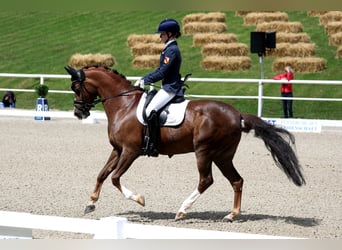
(168, 71)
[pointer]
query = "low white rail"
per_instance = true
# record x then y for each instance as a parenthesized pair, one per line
(20, 225)
(260, 97)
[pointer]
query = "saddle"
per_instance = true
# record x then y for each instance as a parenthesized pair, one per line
(172, 114)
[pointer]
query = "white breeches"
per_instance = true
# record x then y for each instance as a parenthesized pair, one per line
(159, 100)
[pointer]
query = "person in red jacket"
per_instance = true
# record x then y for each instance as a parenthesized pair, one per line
(286, 90)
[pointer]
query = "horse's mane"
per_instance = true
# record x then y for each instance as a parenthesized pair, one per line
(107, 69)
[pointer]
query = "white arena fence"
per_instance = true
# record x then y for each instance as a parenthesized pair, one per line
(301, 125)
(16, 225)
(260, 97)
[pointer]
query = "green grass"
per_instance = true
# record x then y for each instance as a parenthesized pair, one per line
(43, 42)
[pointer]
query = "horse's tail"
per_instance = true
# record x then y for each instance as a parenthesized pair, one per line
(279, 142)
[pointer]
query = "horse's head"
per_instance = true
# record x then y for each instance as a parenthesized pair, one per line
(84, 95)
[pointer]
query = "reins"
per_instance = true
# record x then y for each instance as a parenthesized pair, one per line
(99, 100)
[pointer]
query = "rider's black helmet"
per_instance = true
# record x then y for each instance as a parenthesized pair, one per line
(169, 25)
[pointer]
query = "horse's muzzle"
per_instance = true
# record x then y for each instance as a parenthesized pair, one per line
(81, 113)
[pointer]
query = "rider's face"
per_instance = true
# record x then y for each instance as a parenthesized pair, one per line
(164, 37)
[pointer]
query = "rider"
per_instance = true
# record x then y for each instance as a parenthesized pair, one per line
(169, 73)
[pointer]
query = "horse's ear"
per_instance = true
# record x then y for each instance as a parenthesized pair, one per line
(72, 72)
(69, 69)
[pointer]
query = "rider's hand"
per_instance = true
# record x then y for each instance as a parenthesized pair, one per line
(140, 83)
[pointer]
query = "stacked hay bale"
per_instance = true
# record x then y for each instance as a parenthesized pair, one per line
(293, 45)
(332, 22)
(81, 60)
(220, 50)
(146, 49)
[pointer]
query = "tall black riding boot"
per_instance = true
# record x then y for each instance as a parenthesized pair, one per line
(152, 137)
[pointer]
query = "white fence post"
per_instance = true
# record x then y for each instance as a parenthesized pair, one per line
(260, 95)
(111, 228)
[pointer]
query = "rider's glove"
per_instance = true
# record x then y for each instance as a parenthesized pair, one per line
(140, 83)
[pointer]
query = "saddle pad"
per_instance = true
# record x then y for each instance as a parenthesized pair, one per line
(174, 117)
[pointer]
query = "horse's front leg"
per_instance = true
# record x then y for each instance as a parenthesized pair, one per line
(102, 176)
(125, 161)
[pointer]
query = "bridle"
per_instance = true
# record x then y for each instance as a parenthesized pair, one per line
(85, 106)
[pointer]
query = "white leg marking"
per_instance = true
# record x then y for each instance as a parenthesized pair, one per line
(189, 201)
(128, 194)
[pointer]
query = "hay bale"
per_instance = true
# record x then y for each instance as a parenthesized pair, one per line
(143, 38)
(201, 27)
(339, 52)
(333, 28)
(146, 61)
(300, 64)
(330, 16)
(335, 39)
(214, 17)
(242, 12)
(293, 49)
(279, 26)
(316, 13)
(225, 49)
(193, 17)
(204, 17)
(140, 49)
(284, 37)
(254, 18)
(82, 60)
(205, 38)
(245, 12)
(224, 63)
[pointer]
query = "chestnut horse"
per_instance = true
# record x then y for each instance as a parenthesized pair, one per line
(211, 129)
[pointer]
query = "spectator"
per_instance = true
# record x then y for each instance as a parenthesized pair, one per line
(9, 99)
(286, 90)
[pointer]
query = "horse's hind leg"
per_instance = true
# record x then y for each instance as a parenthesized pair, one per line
(102, 176)
(205, 180)
(228, 170)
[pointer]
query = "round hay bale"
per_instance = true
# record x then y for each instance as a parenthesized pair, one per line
(143, 38)
(205, 38)
(330, 16)
(82, 60)
(333, 27)
(284, 37)
(224, 63)
(146, 61)
(201, 27)
(335, 39)
(279, 26)
(225, 49)
(339, 52)
(254, 18)
(293, 49)
(140, 49)
(300, 64)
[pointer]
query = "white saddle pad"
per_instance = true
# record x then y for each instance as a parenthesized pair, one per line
(174, 117)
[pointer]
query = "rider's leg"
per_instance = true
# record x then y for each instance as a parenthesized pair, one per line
(158, 101)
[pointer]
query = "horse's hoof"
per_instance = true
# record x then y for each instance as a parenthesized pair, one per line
(227, 219)
(89, 209)
(180, 216)
(141, 200)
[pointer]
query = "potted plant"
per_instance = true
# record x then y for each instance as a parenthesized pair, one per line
(42, 103)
